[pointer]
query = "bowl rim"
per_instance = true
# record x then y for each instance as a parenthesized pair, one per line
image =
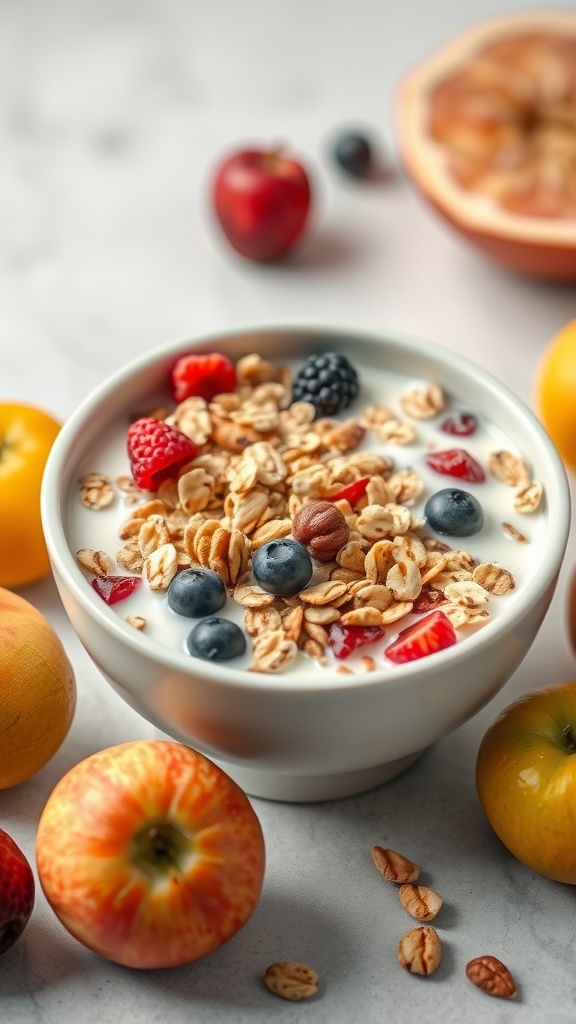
(64, 564)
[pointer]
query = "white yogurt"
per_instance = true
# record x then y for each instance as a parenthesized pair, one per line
(99, 529)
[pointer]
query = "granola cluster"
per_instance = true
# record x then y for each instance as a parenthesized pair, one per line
(260, 459)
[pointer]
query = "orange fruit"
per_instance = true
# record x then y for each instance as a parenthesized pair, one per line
(485, 128)
(26, 437)
(556, 391)
(37, 690)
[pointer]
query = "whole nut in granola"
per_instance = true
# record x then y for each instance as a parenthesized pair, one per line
(420, 950)
(291, 980)
(321, 527)
(394, 866)
(420, 901)
(492, 976)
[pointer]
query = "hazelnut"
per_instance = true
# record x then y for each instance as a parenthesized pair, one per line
(321, 528)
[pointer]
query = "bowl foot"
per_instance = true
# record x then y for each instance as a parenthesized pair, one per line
(312, 788)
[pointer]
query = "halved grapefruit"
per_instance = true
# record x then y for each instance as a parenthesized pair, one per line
(486, 128)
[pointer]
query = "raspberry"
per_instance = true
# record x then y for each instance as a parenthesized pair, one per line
(157, 452)
(456, 462)
(115, 588)
(346, 639)
(202, 376)
(463, 424)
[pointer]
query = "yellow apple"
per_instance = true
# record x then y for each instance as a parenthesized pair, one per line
(526, 780)
(37, 690)
(149, 854)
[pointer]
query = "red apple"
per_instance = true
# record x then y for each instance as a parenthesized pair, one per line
(16, 891)
(262, 199)
(149, 854)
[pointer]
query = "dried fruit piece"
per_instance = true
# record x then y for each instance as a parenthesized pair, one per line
(492, 976)
(115, 588)
(352, 492)
(157, 452)
(427, 600)
(428, 635)
(394, 866)
(462, 424)
(420, 950)
(202, 376)
(291, 980)
(346, 639)
(456, 462)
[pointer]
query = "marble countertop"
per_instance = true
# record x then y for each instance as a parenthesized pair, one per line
(112, 116)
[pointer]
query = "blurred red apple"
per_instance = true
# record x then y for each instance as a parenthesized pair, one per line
(149, 854)
(16, 891)
(262, 200)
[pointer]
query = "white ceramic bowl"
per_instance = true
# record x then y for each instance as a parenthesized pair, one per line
(327, 735)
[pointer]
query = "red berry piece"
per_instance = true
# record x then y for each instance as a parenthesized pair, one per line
(157, 452)
(202, 376)
(352, 492)
(429, 635)
(17, 891)
(462, 424)
(456, 462)
(427, 599)
(346, 639)
(115, 588)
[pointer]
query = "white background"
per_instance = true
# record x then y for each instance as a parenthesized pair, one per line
(113, 115)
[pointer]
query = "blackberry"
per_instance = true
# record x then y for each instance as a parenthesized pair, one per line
(328, 381)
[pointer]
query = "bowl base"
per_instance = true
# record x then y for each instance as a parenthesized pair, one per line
(314, 788)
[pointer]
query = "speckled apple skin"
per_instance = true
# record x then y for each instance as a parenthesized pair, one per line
(84, 852)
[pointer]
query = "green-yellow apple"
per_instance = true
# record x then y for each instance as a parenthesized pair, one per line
(149, 854)
(526, 780)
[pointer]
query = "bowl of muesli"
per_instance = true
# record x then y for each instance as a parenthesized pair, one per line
(310, 552)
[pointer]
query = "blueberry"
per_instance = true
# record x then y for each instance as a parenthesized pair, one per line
(196, 592)
(282, 567)
(454, 512)
(353, 152)
(216, 639)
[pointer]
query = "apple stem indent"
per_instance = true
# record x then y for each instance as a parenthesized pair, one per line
(157, 849)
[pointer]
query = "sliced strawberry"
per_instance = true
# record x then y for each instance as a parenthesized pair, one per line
(346, 639)
(202, 376)
(116, 588)
(462, 424)
(157, 452)
(352, 492)
(429, 635)
(456, 462)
